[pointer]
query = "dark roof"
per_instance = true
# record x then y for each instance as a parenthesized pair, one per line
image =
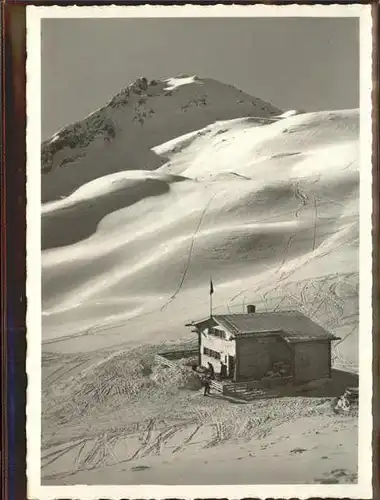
(291, 325)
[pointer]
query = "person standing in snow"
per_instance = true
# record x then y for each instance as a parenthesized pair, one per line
(223, 370)
(211, 370)
(207, 386)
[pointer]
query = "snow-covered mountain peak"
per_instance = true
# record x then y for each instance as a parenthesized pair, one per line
(120, 135)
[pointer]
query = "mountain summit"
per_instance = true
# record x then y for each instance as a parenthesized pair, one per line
(120, 135)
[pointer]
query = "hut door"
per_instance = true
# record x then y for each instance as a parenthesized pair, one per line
(231, 366)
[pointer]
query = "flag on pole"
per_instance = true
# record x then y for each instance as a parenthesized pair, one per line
(211, 292)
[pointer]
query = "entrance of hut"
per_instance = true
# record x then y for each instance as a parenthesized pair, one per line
(231, 366)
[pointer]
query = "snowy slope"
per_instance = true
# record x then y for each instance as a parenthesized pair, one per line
(297, 146)
(137, 217)
(120, 135)
(269, 207)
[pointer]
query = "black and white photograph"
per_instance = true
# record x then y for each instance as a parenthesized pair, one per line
(199, 251)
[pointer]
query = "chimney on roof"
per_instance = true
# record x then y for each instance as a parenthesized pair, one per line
(251, 309)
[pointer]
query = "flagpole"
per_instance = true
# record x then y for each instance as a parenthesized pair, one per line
(211, 293)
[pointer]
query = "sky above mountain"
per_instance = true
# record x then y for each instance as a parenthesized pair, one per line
(312, 64)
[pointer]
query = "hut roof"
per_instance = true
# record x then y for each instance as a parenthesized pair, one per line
(291, 325)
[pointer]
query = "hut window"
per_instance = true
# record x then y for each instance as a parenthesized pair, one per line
(217, 333)
(211, 353)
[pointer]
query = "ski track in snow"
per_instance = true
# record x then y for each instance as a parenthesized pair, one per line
(268, 206)
(304, 153)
